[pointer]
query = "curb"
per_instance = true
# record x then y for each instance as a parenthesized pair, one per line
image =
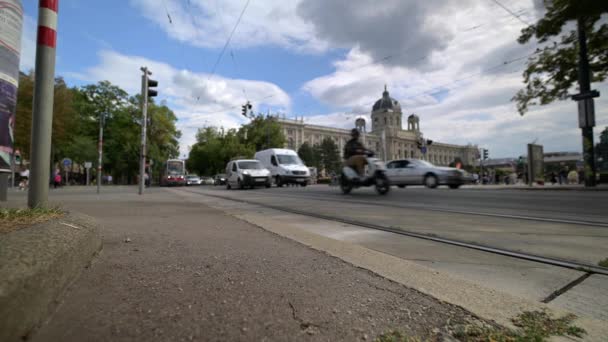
(37, 264)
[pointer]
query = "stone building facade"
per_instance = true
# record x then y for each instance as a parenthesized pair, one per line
(386, 119)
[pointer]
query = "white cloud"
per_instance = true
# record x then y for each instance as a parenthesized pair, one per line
(208, 23)
(463, 93)
(197, 99)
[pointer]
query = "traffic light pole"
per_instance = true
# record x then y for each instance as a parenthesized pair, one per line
(42, 118)
(144, 112)
(584, 82)
(100, 152)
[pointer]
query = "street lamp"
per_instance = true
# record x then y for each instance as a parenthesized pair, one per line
(100, 150)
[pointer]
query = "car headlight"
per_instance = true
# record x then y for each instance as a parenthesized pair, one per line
(246, 172)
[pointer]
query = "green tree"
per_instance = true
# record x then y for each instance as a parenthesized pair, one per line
(215, 148)
(310, 155)
(65, 118)
(23, 114)
(552, 71)
(330, 155)
(263, 132)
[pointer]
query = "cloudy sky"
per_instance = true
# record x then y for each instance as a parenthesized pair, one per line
(454, 63)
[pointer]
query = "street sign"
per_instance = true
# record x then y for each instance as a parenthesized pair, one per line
(88, 165)
(586, 113)
(423, 149)
(67, 162)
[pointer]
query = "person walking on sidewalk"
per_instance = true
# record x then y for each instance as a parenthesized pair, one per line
(57, 180)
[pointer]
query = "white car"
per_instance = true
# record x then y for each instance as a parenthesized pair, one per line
(285, 166)
(241, 173)
(420, 172)
(193, 180)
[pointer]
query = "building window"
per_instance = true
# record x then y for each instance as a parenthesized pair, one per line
(384, 121)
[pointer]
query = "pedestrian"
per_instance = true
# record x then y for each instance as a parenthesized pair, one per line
(581, 176)
(109, 179)
(146, 180)
(553, 178)
(563, 175)
(573, 177)
(57, 180)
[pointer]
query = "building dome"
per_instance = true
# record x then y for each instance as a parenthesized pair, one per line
(413, 116)
(386, 102)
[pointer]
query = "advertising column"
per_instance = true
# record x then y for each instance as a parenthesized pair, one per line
(11, 22)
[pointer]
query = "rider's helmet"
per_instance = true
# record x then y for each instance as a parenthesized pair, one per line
(354, 133)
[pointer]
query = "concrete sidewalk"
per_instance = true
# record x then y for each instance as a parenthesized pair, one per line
(175, 270)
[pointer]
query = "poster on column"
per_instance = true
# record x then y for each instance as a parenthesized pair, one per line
(11, 22)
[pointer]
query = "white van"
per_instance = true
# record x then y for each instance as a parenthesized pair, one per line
(241, 173)
(285, 166)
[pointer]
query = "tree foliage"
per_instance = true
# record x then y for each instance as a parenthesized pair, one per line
(76, 115)
(552, 72)
(214, 148)
(329, 155)
(310, 155)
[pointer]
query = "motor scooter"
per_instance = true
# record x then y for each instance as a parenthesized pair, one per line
(375, 175)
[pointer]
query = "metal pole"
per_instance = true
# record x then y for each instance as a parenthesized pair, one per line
(42, 118)
(87, 182)
(584, 82)
(100, 151)
(144, 111)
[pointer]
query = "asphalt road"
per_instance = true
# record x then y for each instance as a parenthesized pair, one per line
(569, 225)
(554, 204)
(483, 217)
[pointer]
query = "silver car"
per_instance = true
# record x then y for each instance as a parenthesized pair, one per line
(420, 172)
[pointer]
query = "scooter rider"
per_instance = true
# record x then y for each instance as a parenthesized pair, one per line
(354, 153)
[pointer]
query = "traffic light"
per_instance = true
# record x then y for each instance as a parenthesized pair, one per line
(246, 107)
(429, 142)
(150, 85)
(485, 153)
(17, 157)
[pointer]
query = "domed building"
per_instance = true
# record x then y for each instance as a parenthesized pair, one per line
(386, 121)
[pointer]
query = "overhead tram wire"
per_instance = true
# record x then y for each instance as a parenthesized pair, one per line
(219, 58)
(511, 12)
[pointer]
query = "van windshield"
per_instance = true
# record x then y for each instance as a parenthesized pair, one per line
(250, 165)
(286, 159)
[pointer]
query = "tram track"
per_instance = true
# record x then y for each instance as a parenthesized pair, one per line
(589, 223)
(588, 269)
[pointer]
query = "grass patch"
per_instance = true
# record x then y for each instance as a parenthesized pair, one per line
(533, 326)
(395, 336)
(603, 263)
(14, 219)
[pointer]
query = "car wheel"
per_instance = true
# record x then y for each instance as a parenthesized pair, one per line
(430, 181)
(304, 184)
(345, 185)
(382, 184)
(401, 186)
(240, 184)
(454, 186)
(268, 185)
(228, 187)
(279, 182)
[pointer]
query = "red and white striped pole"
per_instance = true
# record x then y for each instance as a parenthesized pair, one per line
(42, 118)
